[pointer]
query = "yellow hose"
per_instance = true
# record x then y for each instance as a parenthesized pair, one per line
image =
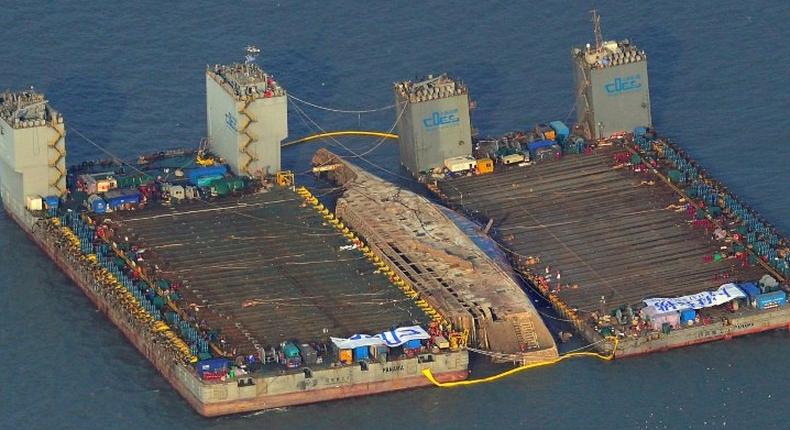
(341, 133)
(428, 374)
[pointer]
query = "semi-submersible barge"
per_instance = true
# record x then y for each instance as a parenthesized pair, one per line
(243, 289)
(246, 292)
(620, 230)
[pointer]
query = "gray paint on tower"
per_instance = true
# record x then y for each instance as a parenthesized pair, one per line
(433, 122)
(613, 93)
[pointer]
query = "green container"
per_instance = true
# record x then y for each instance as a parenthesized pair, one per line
(675, 176)
(158, 302)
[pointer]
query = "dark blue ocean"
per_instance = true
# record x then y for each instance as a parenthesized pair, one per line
(130, 75)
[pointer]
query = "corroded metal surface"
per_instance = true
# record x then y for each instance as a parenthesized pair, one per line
(263, 268)
(607, 231)
(441, 262)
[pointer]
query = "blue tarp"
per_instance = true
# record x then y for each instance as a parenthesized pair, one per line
(534, 146)
(117, 198)
(750, 288)
(212, 365)
(412, 344)
(52, 201)
(196, 173)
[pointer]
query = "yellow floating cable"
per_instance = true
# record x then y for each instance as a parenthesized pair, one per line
(342, 133)
(428, 374)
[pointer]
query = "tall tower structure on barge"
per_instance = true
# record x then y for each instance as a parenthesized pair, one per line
(612, 92)
(433, 122)
(32, 150)
(247, 114)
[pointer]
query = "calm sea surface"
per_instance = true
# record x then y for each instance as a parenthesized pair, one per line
(130, 76)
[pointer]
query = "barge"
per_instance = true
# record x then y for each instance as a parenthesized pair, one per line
(598, 233)
(240, 288)
(619, 229)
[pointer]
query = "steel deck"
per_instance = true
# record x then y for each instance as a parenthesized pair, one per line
(609, 231)
(265, 268)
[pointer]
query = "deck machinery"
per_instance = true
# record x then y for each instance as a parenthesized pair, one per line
(235, 277)
(433, 122)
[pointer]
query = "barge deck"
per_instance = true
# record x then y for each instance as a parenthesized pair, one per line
(597, 238)
(266, 269)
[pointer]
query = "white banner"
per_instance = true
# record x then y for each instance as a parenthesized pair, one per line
(706, 299)
(391, 338)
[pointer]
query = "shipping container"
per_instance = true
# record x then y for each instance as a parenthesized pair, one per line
(34, 203)
(485, 165)
(118, 198)
(52, 202)
(345, 356)
(361, 353)
(771, 300)
(561, 130)
(750, 289)
(460, 164)
(687, 315)
(512, 159)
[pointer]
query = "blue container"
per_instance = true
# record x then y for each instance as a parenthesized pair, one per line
(361, 353)
(538, 144)
(194, 174)
(212, 365)
(412, 344)
(750, 288)
(52, 202)
(687, 315)
(771, 300)
(561, 130)
(117, 198)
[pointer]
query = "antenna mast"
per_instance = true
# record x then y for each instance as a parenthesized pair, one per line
(596, 19)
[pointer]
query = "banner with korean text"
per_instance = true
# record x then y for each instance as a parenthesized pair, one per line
(391, 338)
(706, 299)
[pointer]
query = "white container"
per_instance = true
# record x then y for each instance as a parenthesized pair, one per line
(34, 203)
(460, 164)
(512, 158)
